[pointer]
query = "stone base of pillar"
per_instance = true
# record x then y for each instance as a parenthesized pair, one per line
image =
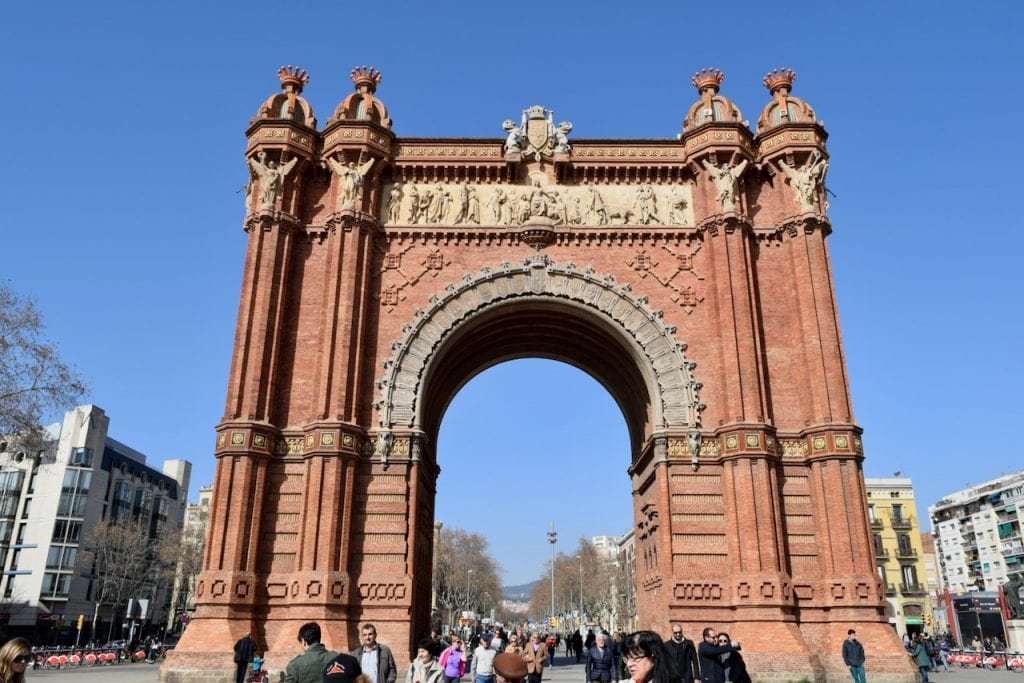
(1015, 635)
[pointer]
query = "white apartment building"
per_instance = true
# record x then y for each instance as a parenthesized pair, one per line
(978, 541)
(51, 501)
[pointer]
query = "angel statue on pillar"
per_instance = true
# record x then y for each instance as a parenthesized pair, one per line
(352, 177)
(725, 177)
(271, 178)
(805, 181)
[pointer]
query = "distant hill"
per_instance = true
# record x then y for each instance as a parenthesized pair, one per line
(519, 593)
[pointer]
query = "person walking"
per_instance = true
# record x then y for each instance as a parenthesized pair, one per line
(245, 650)
(853, 656)
(15, 656)
(710, 653)
(920, 655)
(536, 653)
(735, 667)
(600, 662)
(482, 668)
(376, 660)
(684, 654)
(577, 645)
(552, 644)
(309, 666)
(424, 668)
(453, 661)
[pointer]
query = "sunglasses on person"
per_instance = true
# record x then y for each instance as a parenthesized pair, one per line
(22, 659)
(723, 641)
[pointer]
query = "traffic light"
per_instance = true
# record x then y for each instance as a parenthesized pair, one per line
(81, 621)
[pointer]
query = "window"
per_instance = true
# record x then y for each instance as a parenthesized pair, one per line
(55, 585)
(27, 510)
(21, 534)
(871, 512)
(879, 550)
(122, 500)
(81, 457)
(903, 540)
(897, 513)
(9, 591)
(909, 572)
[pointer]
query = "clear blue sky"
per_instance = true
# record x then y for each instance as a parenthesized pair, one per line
(124, 136)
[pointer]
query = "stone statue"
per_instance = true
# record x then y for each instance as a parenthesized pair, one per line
(597, 214)
(497, 204)
(444, 214)
(523, 208)
(725, 177)
(562, 145)
(516, 137)
(538, 200)
(473, 209)
(645, 205)
(556, 207)
(271, 178)
(805, 181)
(434, 199)
(1012, 590)
(677, 207)
(414, 205)
(395, 204)
(461, 208)
(576, 210)
(351, 181)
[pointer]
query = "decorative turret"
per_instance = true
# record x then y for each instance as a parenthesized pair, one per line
(362, 105)
(784, 108)
(288, 104)
(712, 107)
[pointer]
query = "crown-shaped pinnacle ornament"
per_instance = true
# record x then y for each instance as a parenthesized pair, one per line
(708, 79)
(366, 79)
(780, 80)
(293, 79)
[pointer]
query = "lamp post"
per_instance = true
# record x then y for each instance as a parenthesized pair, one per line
(552, 539)
(580, 558)
(468, 572)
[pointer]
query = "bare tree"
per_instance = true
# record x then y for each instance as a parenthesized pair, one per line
(587, 580)
(188, 559)
(466, 577)
(124, 562)
(33, 378)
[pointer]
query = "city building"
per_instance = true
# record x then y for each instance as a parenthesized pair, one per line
(50, 505)
(607, 546)
(193, 539)
(899, 552)
(978, 534)
(934, 582)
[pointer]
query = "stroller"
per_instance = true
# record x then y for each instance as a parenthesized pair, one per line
(259, 674)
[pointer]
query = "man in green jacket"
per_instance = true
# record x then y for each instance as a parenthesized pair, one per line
(309, 666)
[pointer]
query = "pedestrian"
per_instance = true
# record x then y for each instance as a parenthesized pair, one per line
(424, 667)
(577, 645)
(920, 655)
(710, 652)
(309, 666)
(551, 642)
(259, 674)
(516, 646)
(684, 655)
(14, 658)
(482, 668)
(375, 659)
(600, 667)
(735, 667)
(453, 661)
(509, 668)
(245, 649)
(535, 655)
(853, 656)
(343, 668)
(943, 654)
(647, 658)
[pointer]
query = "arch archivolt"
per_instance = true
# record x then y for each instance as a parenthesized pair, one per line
(666, 371)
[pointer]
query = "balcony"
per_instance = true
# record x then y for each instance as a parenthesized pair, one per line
(881, 553)
(912, 589)
(877, 523)
(901, 522)
(890, 589)
(906, 554)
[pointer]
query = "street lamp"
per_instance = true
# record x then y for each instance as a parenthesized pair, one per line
(552, 539)
(580, 558)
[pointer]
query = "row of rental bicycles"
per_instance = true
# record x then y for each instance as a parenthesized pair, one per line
(74, 658)
(1011, 661)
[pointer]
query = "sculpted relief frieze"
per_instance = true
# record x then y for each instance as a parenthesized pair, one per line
(515, 205)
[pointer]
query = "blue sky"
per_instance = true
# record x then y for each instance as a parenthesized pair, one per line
(124, 150)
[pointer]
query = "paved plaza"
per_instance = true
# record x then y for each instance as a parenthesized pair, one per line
(564, 671)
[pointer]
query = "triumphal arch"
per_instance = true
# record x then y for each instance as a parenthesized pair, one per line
(689, 275)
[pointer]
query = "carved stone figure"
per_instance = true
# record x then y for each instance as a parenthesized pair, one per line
(473, 208)
(805, 181)
(414, 205)
(538, 200)
(395, 203)
(461, 205)
(556, 207)
(497, 204)
(434, 199)
(576, 210)
(597, 214)
(516, 137)
(562, 145)
(1012, 590)
(271, 178)
(523, 208)
(644, 205)
(446, 207)
(351, 181)
(725, 177)
(677, 206)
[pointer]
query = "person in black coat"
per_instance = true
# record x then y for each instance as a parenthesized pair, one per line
(711, 668)
(601, 661)
(245, 649)
(735, 667)
(684, 653)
